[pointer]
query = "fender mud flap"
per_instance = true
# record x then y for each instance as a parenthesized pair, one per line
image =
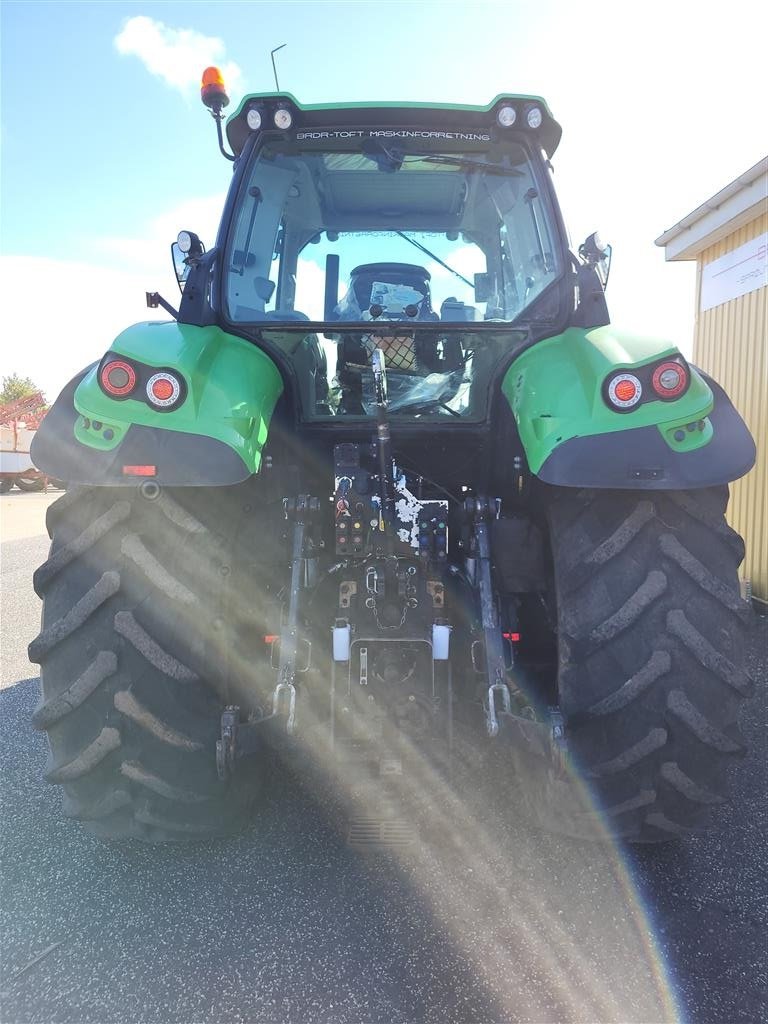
(181, 459)
(640, 458)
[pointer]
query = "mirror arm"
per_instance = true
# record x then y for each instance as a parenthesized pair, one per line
(218, 117)
(155, 299)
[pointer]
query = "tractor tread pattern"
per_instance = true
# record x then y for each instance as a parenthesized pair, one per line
(102, 666)
(653, 586)
(705, 653)
(133, 548)
(651, 674)
(655, 739)
(102, 807)
(127, 704)
(131, 725)
(128, 627)
(657, 665)
(702, 728)
(76, 617)
(88, 758)
(80, 544)
(136, 771)
(672, 773)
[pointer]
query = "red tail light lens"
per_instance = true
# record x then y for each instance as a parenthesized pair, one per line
(669, 379)
(118, 378)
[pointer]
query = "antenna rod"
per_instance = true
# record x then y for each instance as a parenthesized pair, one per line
(274, 69)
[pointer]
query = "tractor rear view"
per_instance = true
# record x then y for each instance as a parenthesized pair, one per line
(388, 482)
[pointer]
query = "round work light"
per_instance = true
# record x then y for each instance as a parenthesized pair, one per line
(283, 119)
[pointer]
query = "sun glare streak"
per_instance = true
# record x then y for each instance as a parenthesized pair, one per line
(537, 952)
(553, 927)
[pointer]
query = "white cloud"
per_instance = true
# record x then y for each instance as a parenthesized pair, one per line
(149, 251)
(79, 309)
(83, 305)
(178, 56)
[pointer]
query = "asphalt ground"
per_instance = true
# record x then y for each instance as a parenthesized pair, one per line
(287, 923)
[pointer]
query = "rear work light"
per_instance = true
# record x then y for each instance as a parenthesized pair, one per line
(283, 119)
(670, 379)
(118, 378)
(506, 116)
(534, 117)
(163, 390)
(624, 391)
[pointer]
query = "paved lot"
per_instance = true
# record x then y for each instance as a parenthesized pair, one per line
(286, 924)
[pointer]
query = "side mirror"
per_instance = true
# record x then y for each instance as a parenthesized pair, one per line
(595, 253)
(180, 265)
(185, 251)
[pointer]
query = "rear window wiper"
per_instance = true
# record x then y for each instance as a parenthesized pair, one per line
(396, 157)
(468, 162)
(428, 252)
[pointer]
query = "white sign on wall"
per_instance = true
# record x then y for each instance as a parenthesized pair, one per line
(737, 273)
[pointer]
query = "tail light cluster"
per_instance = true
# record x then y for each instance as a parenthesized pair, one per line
(120, 378)
(624, 391)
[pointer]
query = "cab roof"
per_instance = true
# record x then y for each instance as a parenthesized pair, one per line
(454, 119)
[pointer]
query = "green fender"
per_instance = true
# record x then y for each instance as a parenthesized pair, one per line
(573, 438)
(214, 436)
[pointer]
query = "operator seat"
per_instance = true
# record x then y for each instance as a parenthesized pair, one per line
(421, 352)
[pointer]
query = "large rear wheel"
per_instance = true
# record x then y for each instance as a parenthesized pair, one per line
(651, 631)
(138, 652)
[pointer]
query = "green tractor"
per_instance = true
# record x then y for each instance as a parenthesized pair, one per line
(388, 486)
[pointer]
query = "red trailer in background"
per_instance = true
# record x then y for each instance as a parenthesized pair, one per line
(19, 420)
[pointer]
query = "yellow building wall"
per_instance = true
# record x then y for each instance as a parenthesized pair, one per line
(730, 343)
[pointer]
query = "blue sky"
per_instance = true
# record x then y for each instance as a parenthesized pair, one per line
(107, 152)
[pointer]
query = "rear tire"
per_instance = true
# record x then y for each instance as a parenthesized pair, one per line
(652, 631)
(136, 652)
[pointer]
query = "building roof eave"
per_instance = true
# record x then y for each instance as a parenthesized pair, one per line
(726, 211)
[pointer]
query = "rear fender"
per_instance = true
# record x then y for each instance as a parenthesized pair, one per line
(572, 438)
(215, 436)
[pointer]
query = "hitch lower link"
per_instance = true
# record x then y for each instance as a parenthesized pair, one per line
(547, 738)
(241, 739)
(495, 665)
(300, 511)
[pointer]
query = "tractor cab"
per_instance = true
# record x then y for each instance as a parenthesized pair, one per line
(423, 231)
